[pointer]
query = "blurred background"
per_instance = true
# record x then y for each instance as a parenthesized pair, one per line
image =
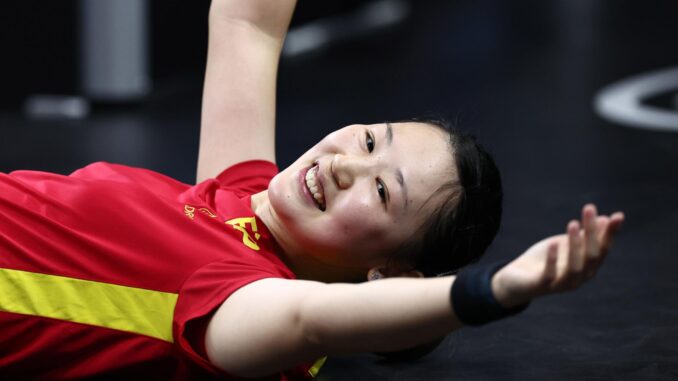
(577, 100)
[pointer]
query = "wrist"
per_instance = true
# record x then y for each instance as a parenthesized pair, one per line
(473, 298)
(502, 294)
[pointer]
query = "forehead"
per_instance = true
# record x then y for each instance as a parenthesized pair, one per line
(424, 156)
(422, 140)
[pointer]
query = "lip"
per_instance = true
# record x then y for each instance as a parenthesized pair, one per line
(320, 180)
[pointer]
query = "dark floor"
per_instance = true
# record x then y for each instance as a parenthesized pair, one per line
(522, 76)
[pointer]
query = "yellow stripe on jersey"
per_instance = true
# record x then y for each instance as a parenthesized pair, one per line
(313, 371)
(122, 308)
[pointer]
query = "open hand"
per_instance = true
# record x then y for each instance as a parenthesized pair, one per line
(558, 263)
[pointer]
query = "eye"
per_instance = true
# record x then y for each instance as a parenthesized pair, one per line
(381, 189)
(369, 141)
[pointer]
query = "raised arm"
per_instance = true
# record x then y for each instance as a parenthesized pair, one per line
(238, 105)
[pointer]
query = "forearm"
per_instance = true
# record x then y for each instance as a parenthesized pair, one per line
(238, 105)
(386, 315)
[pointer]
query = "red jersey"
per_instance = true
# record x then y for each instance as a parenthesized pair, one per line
(116, 271)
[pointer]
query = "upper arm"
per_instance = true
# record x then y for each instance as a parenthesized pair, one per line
(257, 330)
(238, 105)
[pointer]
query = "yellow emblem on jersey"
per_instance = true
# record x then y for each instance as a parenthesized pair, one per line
(208, 212)
(240, 224)
(189, 211)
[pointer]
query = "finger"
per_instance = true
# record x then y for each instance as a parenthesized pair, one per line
(574, 257)
(550, 267)
(613, 226)
(607, 228)
(589, 216)
(601, 226)
(618, 217)
(591, 267)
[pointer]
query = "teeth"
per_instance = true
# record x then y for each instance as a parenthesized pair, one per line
(314, 188)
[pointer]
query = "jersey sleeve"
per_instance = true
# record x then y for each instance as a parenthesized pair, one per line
(200, 296)
(248, 177)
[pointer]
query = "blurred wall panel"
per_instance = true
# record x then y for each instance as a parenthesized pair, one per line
(114, 49)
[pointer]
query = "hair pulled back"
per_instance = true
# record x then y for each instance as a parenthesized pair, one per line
(466, 210)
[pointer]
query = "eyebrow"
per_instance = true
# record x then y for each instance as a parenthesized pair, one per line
(398, 173)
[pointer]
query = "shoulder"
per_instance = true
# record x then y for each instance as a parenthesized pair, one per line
(250, 176)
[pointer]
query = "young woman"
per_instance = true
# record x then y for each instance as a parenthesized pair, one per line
(252, 273)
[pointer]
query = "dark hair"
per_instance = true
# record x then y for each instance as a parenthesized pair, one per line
(467, 210)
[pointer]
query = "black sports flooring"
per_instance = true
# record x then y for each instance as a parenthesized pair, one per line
(522, 76)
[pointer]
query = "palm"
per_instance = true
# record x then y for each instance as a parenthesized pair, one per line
(558, 263)
(526, 270)
(525, 273)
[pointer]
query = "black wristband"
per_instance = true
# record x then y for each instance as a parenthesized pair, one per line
(472, 298)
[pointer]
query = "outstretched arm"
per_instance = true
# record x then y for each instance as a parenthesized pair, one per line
(238, 105)
(274, 324)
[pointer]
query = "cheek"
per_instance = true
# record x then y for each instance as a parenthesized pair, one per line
(338, 141)
(281, 197)
(359, 221)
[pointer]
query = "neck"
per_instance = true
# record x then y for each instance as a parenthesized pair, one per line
(303, 265)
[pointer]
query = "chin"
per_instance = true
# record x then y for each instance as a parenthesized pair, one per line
(276, 194)
(282, 199)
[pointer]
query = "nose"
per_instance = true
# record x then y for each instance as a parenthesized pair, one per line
(347, 168)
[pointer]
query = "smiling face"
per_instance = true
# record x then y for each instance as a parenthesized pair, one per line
(358, 194)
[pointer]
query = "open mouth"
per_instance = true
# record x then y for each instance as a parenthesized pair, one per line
(315, 188)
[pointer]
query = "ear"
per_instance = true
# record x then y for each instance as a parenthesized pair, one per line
(377, 273)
